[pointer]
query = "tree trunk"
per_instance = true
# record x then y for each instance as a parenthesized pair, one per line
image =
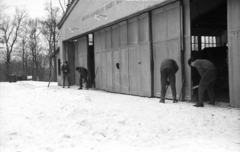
(55, 68)
(23, 62)
(7, 64)
(54, 56)
(33, 68)
(50, 68)
(36, 62)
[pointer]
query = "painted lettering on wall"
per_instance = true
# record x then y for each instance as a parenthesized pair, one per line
(102, 9)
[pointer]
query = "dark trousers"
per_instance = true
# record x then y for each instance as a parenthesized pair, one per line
(165, 75)
(65, 75)
(83, 77)
(206, 83)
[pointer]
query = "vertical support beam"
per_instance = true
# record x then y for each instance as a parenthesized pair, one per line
(234, 51)
(186, 49)
(151, 54)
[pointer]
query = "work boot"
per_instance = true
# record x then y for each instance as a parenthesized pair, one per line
(212, 102)
(162, 101)
(175, 100)
(199, 105)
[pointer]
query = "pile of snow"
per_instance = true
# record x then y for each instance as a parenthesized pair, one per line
(35, 118)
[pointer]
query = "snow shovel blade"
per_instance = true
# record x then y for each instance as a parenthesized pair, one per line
(195, 87)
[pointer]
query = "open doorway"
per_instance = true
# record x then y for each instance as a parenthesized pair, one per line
(91, 62)
(71, 48)
(209, 41)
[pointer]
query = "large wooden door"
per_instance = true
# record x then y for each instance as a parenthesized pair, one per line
(234, 51)
(103, 51)
(166, 42)
(124, 57)
(145, 58)
(97, 53)
(101, 59)
(109, 70)
(116, 58)
(139, 56)
(134, 57)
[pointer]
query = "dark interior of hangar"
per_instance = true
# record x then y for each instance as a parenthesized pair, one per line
(209, 41)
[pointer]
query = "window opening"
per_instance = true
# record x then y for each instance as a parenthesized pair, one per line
(201, 42)
(194, 43)
(90, 39)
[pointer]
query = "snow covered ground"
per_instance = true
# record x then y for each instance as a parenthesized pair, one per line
(35, 118)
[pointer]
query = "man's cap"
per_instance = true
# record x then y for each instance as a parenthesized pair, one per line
(190, 61)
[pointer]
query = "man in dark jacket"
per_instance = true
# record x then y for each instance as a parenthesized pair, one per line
(208, 73)
(66, 73)
(168, 70)
(83, 72)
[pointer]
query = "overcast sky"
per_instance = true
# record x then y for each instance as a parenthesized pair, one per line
(35, 8)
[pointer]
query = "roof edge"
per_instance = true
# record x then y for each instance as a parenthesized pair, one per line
(68, 12)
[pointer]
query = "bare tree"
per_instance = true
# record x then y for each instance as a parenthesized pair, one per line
(22, 46)
(43, 61)
(11, 28)
(32, 53)
(34, 28)
(63, 5)
(51, 33)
